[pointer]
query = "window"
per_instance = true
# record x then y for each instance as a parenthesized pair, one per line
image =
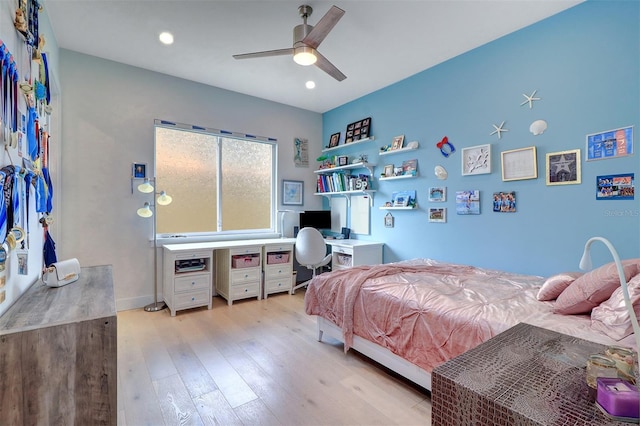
(219, 182)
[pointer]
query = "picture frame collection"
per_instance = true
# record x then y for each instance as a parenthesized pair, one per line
(561, 168)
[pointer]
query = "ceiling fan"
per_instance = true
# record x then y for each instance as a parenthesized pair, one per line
(306, 39)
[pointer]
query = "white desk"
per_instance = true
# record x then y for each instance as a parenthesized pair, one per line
(192, 288)
(189, 289)
(348, 253)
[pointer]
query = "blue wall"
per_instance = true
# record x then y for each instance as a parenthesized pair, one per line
(585, 65)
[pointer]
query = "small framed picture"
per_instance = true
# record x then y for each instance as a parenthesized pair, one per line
(615, 187)
(519, 164)
(292, 192)
(410, 167)
(563, 168)
(437, 214)
(504, 202)
(388, 170)
(476, 160)
(397, 142)
(139, 170)
(335, 139)
(468, 202)
(343, 160)
(438, 194)
(358, 130)
(388, 221)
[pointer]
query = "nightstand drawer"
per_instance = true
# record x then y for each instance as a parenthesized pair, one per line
(244, 291)
(192, 299)
(192, 282)
(274, 286)
(245, 275)
(278, 271)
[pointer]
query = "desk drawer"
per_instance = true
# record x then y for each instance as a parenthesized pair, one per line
(192, 299)
(245, 250)
(339, 249)
(245, 275)
(205, 254)
(245, 290)
(192, 282)
(268, 248)
(278, 271)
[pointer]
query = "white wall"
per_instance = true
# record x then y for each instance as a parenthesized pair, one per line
(109, 111)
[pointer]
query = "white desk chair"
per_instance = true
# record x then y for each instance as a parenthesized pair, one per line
(311, 251)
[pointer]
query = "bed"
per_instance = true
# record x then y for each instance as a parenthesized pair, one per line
(412, 316)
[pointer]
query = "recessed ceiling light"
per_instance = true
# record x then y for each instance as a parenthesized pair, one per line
(166, 37)
(310, 84)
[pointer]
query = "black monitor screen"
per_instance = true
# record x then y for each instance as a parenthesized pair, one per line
(319, 219)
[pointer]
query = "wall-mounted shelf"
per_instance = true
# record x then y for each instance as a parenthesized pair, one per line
(397, 151)
(348, 194)
(399, 177)
(360, 165)
(345, 145)
(399, 208)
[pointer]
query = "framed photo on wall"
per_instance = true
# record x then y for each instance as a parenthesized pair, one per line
(139, 170)
(563, 168)
(437, 214)
(292, 192)
(438, 194)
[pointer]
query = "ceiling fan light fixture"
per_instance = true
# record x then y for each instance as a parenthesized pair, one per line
(305, 55)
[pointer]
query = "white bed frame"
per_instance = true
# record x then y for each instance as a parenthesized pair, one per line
(378, 354)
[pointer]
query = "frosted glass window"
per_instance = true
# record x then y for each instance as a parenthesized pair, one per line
(218, 184)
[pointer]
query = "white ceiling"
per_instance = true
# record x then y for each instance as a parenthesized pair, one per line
(375, 44)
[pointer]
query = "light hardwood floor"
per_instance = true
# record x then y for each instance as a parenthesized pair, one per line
(253, 363)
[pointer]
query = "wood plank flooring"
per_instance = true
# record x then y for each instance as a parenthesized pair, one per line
(253, 363)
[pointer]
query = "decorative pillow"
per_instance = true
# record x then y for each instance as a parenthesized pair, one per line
(611, 317)
(593, 288)
(555, 284)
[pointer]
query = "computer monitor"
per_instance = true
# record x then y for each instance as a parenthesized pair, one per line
(319, 219)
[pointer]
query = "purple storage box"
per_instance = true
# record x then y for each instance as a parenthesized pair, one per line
(618, 398)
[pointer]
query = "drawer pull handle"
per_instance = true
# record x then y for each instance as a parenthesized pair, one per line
(193, 283)
(193, 298)
(246, 290)
(245, 275)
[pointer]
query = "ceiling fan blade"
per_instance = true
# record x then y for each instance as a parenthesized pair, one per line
(322, 28)
(277, 52)
(326, 66)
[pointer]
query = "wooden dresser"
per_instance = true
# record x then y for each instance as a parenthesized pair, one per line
(58, 358)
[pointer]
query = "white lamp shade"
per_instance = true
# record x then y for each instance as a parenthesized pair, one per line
(164, 199)
(145, 211)
(305, 55)
(145, 186)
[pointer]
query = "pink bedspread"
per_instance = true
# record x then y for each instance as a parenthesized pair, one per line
(428, 312)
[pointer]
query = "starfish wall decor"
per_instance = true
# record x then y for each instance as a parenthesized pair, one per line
(499, 129)
(530, 99)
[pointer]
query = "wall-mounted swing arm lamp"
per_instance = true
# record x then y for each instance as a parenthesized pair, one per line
(147, 211)
(585, 264)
